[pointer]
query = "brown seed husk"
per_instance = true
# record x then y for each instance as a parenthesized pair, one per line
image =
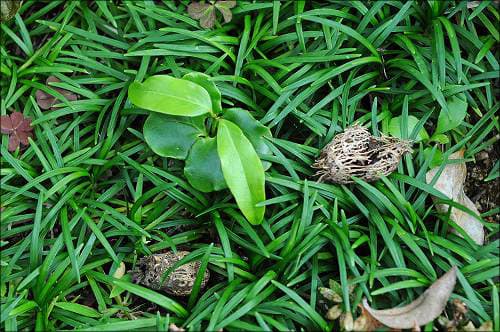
(150, 269)
(334, 312)
(355, 152)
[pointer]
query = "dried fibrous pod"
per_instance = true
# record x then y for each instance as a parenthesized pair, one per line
(355, 152)
(150, 269)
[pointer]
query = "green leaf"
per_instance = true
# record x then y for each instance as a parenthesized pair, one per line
(440, 138)
(242, 170)
(458, 109)
(172, 136)
(169, 95)
(152, 296)
(78, 309)
(395, 128)
(203, 169)
(437, 159)
(253, 130)
(205, 81)
(116, 290)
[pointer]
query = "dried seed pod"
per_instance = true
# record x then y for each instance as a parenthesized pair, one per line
(334, 312)
(355, 152)
(150, 269)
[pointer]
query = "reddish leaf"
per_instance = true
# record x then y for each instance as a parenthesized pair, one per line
(13, 142)
(18, 128)
(5, 124)
(205, 12)
(226, 13)
(225, 8)
(208, 19)
(196, 9)
(46, 100)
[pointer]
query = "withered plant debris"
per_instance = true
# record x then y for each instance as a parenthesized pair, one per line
(346, 321)
(451, 184)
(330, 295)
(205, 12)
(366, 322)
(150, 269)
(47, 101)
(422, 310)
(355, 152)
(18, 128)
(8, 9)
(334, 312)
(174, 328)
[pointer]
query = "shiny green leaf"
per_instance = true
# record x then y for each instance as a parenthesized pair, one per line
(169, 95)
(203, 169)
(437, 158)
(172, 136)
(205, 81)
(253, 130)
(395, 128)
(458, 109)
(242, 170)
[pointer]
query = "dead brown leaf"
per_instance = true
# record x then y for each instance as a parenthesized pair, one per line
(423, 310)
(366, 322)
(451, 184)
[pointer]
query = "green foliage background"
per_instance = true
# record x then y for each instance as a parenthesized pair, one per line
(88, 193)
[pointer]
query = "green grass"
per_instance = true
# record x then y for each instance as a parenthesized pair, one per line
(88, 193)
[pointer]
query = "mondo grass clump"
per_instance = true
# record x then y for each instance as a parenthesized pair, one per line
(85, 199)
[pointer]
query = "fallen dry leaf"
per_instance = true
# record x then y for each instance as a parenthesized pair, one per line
(205, 12)
(423, 310)
(46, 100)
(451, 183)
(18, 128)
(366, 322)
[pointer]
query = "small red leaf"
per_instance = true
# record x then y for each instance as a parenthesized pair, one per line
(25, 125)
(13, 142)
(18, 128)
(17, 119)
(46, 100)
(5, 124)
(23, 137)
(196, 9)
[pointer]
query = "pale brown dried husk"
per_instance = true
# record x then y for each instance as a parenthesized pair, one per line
(150, 269)
(355, 152)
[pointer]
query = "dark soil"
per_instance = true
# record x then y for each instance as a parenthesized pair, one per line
(486, 195)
